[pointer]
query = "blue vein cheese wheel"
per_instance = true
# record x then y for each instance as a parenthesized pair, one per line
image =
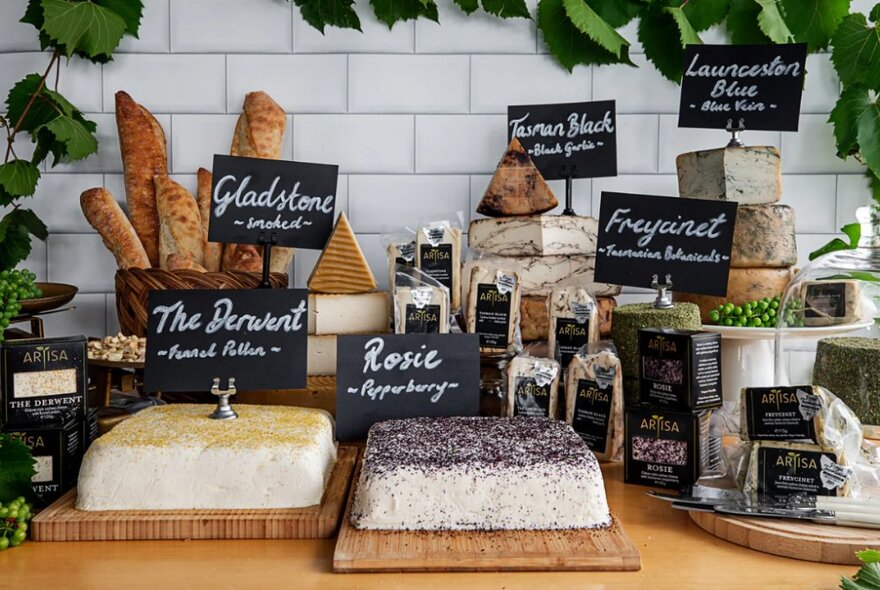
(764, 236)
(534, 235)
(750, 175)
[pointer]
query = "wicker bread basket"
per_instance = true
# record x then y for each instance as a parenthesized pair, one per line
(134, 285)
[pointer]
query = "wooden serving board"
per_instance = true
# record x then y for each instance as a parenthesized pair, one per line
(800, 539)
(358, 550)
(63, 522)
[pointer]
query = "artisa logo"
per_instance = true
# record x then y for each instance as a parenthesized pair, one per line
(44, 354)
(662, 345)
(528, 387)
(658, 424)
(593, 394)
(493, 296)
(794, 461)
(778, 397)
(31, 441)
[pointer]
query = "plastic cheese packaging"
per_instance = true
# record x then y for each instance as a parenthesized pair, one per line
(359, 313)
(493, 308)
(594, 400)
(832, 302)
(780, 469)
(438, 254)
(532, 386)
(401, 251)
(573, 321)
(423, 309)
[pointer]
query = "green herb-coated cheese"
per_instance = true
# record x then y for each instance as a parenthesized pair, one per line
(849, 367)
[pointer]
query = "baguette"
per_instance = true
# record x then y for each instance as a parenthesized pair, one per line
(106, 216)
(260, 128)
(143, 147)
(246, 258)
(228, 257)
(213, 250)
(179, 222)
(181, 262)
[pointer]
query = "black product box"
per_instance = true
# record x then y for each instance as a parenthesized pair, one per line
(90, 428)
(43, 380)
(679, 369)
(780, 413)
(780, 469)
(57, 450)
(668, 449)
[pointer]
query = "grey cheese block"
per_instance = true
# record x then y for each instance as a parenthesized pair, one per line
(764, 237)
(540, 274)
(627, 320)
(534, 235)
(849, 367)
(750, 175)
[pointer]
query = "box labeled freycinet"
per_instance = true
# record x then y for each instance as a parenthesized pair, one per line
(679, 369)
(668, 449)
(56, 449)
(44, 380)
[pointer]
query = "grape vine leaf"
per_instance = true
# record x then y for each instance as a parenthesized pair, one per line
(663, 32)
(702, 14)
(507, 8)
(19, 178)
(83, 28)
(16, 468)
(874, 184)
(856, 51)
(618, 12)
(814, 21)
(874, 15)
(869, 555)
(687, 32)
(771, 23)
(336, 13)
(853, 231)
(869, 135)
(742, 23)
(567, 44)
(40, 113)
(468, 6)
(131, 12)
(845, 117)
(77, 137)
(391, 11)
(591, 24)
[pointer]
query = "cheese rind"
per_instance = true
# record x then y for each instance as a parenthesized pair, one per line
(422, 309)
(321, 355)
(764, 236)
(478, 474)
(491, 313)
(360, 313)
(540, 274)
(438, 255)
(594, 402)
(535, 235)
(532, 387)
(750, 175)
(517, 188)
(342, 267)
(177, 457)
(743, 284)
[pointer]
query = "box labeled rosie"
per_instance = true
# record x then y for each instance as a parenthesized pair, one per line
(44, 380)
(679, 369)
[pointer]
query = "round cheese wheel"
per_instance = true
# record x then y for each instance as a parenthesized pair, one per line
(743, 284)
(764, 236)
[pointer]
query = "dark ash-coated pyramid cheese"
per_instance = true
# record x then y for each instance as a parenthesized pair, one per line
(517, 187)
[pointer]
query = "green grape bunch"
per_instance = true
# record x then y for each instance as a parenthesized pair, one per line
(752, 314)
(14, 518)
(15, 287)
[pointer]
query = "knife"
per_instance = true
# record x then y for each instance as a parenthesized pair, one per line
(836, 517)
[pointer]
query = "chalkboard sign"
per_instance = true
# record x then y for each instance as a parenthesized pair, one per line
(577, 138)
(257, 336)
(759, 84)
(385, 376)
(253, 199)
(644, 235)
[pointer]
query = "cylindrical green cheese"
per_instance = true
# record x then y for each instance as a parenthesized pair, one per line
(631, 392)
(627, 320)
(849, 367)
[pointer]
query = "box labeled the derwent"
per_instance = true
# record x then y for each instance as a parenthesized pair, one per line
(44, 379)
(679, 369)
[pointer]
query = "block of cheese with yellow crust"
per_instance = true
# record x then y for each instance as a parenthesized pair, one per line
(356, 313)
(743, 284)
(175, 457)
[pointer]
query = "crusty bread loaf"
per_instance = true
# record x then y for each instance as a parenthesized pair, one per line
(106, 216)
(142, 143)
(213, 250)
(281, 259)
(245, 257)
(260, 128)
(181, 262)
(179, 222)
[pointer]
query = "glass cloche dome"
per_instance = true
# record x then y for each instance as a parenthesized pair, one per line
(827, 330)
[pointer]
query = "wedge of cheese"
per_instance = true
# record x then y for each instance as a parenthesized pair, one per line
(342, 267)
(360, 313)
(540, 274)
(764, 236)
(320, 392)
(534, 235)
(517, 187)
(750, 175)
(321, 355)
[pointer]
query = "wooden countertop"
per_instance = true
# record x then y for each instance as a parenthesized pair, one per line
(675, 555)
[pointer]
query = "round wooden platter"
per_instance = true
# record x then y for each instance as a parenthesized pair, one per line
(799, 539)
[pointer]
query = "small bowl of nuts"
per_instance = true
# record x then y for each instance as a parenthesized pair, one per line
(118, 351)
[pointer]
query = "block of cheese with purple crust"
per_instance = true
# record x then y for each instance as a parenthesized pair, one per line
(478, 473)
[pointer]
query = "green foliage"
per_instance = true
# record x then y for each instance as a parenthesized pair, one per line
(507, 8)
(335, 13)
(663, 32)
(16, 468)
(567, 43)
(868, 577)
(391, 11)
(853, 231)
(742, 23)
(468, 6)
(856, 52)
(18, 178)
(771, 23)
(814, 20)
(593, 26)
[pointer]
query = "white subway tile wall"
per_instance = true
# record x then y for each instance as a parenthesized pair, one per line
(414, 116)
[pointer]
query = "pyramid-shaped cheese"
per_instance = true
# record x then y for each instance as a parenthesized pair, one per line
(517, 187)
(342, 267)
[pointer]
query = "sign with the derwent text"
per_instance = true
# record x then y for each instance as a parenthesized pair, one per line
(255, 201)
(387, 376)
(645, 235)
(257, 336)
(577, 139)
(759, 86)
